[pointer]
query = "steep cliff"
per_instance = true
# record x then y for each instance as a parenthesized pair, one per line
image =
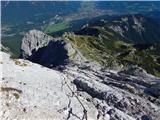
(48, 51)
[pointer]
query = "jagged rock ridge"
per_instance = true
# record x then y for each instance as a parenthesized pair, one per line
(136, 28)
(48, 51)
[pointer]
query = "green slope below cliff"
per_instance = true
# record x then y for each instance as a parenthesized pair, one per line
(98, 42)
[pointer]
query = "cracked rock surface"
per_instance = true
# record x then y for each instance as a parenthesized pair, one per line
(34, 92)
(80, 92)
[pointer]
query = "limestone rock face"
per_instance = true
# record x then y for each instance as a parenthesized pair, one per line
(32, 41)
(80, 91)
(48, 51)
(32, 92)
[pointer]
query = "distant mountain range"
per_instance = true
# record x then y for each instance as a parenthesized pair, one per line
(136, 28)
(129, 39)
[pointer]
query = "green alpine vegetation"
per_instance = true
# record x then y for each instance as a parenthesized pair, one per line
(13, 47)
(56, 27)
(100, 43)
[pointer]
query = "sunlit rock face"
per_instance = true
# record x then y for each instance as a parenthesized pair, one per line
(80, 91)
(32, 41)
(48, 51)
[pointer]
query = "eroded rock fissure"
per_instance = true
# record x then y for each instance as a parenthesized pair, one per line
(80, 102)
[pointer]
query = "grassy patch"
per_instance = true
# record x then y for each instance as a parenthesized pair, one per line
(16, 91)
(13, 43)
(83, 44)
(56, 27)
(16, 95)
(17, 62)
(7, 89)
(91, 47)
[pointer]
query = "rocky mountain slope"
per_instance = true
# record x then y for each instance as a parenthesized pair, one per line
(130, 39)
(81, 91)
(137, 28)
(134, 28)
(92, 74)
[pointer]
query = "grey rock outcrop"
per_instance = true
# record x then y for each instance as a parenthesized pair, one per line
(48, 51)
(121, 93)
(136, 28)
(32, 41)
